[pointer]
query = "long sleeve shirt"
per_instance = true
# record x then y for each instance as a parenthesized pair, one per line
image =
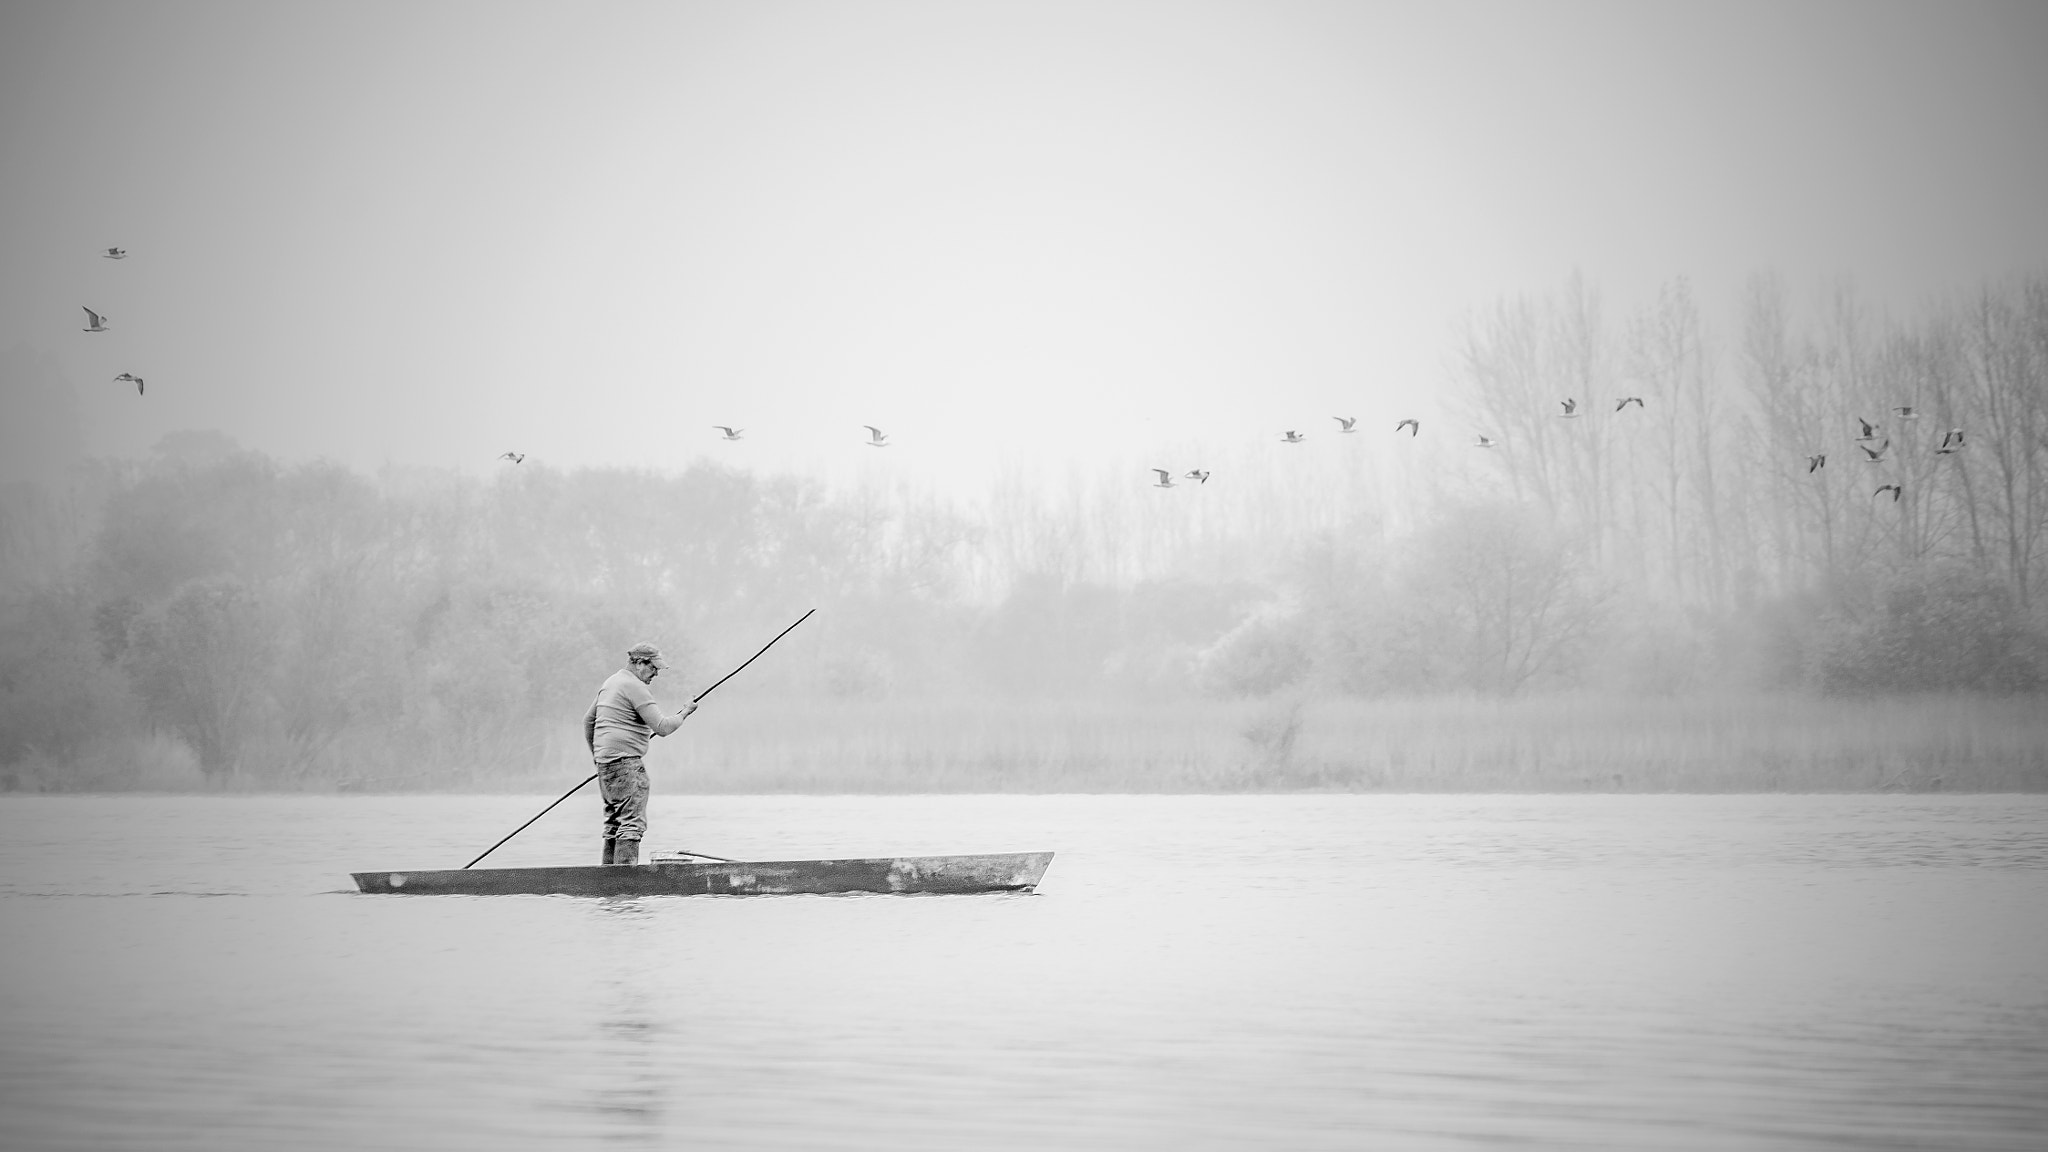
(623, 717)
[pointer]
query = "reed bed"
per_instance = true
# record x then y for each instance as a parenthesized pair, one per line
(759, 744)
(1727, 744)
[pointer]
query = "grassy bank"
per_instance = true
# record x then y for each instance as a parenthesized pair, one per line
(1748, 744)
(1582, 743)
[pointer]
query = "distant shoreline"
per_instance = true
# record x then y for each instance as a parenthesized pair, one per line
(1732, 744)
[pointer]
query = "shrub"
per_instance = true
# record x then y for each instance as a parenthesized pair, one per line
(1937, 629)
(1268, 652)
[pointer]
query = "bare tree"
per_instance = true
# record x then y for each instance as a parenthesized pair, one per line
(1507, 596)
(1500, 363)
(2006, 352)
(1667, 351)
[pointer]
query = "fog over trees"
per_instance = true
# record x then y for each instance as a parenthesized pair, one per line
(271, 624)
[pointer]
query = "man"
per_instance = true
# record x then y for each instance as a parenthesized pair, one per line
(616, 729)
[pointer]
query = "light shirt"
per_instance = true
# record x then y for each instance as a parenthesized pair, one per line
(622, 718)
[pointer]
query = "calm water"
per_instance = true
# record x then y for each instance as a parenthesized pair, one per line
(1196, 972)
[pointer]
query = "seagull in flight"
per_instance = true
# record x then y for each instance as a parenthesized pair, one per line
(1484, 441)
(1628, 400)
(514, 457)
(1906, 413)
(130, 378)
(1196, 474)
(1816, 462)
(1875, 455)
(1414, 427)
(1165, 478)
(1571, 409)
(876, 437)
(730, 433)
(1951, 442)
(114, 254)
(94, 322)
(1292, 437)
(1894, 489)
(1869, 429)
(1345, 423)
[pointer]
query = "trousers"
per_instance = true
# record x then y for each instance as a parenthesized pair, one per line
(623, 784)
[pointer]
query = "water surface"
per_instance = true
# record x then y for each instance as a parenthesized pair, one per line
(1196, 972)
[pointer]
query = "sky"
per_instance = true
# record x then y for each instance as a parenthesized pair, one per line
(1012, 235)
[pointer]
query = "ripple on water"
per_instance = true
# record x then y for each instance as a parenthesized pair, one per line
(1197, 972)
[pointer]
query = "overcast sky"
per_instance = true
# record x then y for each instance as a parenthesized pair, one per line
(428, 234)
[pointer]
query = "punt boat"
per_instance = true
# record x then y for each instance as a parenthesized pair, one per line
(682, 876)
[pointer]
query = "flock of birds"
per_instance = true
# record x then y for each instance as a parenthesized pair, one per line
(95, 322)
(1951, 442)
(876, 439)
(1571, 412)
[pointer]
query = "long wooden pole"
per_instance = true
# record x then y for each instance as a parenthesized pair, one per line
(536, 816)
(751, 659)
(587, 779)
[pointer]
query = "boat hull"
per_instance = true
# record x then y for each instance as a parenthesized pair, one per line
(1007, 872)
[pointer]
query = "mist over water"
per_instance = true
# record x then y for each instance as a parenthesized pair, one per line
(1207, 972)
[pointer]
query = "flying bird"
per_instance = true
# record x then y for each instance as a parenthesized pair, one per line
(1571, 409)
(94, 322)
(1165, 478)
(1906, 413)
(1951, 441)
(1875, 455)
(514, 457)
(1628, 400)
(130, 378)
(1484, 441)
(1816, 462)
(1197, 475)
(1292, 437)
(1345, 423)
(1869, 429)
(876, 437)
(730, 433)
(114, 254)
(1414, 427)
(1894, 489)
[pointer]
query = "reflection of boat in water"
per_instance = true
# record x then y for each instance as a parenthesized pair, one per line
(1003, 872)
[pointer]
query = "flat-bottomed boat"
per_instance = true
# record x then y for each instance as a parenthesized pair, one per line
(1003, 872)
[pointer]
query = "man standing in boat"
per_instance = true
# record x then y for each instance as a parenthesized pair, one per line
(617, 727)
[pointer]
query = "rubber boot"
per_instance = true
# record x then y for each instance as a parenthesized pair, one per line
(625, 851)
(610, 846)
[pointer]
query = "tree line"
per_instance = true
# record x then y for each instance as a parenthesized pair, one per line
(284, 623)
(1877, 488)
